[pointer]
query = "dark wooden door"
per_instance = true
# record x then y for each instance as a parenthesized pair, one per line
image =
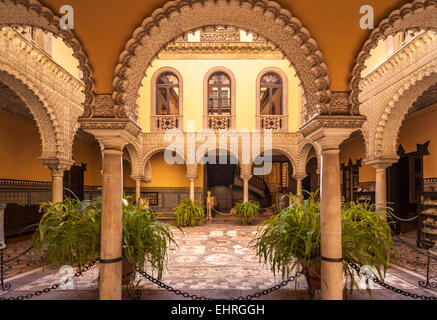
(404, 181)
(74, 182)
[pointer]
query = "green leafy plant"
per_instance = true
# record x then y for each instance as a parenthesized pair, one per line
(69, 233)
(366, 240)
(145, 238)
(290, 241)
(247, 211)
(189, 213)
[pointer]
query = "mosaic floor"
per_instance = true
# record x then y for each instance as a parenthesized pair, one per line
(411, 259)
(29, 261)
(207, 257)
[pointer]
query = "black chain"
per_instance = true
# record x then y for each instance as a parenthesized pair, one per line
(20, 255)
(391, 288)
(37, 293)
(196, 297)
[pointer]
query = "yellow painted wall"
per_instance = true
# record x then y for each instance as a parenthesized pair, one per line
(63, 55)
(127, 171)
(20, 148)
(245, 72)
(418, 129)
(171, 176)
(91, 155)
(355, 149)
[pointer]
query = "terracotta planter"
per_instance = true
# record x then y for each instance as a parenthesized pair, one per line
(126, 271)
(313, 277)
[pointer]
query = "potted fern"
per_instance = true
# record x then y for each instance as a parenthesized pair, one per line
(290, 241)
(189, 213)
(247, 211)
(69, 234)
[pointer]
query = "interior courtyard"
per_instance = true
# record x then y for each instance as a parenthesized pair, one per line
(248, 112)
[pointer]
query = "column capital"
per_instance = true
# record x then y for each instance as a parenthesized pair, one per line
(330, 131)
(56, 165)
(191, 171)
(246, 171)
(140, 178)
(112, 134)
(299, 176)
(381, 163)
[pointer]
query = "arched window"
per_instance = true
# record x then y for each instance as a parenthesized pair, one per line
(271, 95)
(167, 94)
(219, 94)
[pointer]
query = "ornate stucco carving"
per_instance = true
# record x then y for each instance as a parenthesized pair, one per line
(58, 96)
(339, 104)
(265, 18)
(49, 140)
(293, 145)
(388, 93)
(32, 13)
(304, 150)
(418, 15)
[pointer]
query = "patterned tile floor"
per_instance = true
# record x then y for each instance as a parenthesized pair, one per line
(207, 257)
(29, 261)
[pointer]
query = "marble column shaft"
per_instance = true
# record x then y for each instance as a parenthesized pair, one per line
(111, 242)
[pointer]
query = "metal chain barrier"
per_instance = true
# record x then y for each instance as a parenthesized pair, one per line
(400, 219)
(268, 208)
(223, 214)
(196, 297)
(37, 293)
(20, 255)
(389, 287)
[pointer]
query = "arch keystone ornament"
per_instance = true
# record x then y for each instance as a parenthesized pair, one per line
(265, 18)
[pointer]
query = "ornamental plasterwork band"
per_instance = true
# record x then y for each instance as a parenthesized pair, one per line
(265, 18)
(58, 94)
(387, 94)
(416, 16)
(293, 145)
(104, 125)
(32, 13)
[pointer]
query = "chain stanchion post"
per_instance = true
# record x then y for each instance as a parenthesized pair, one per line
(4, 287)
(428, 283)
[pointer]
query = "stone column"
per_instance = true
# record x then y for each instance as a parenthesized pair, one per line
(329, 132)
(192, 176)
(113, 135)
(299, 178)
(246, 175)
(57, 186)
(381, 165)
(111, 238)
(57, 167)
(330, 220)
(137, 188)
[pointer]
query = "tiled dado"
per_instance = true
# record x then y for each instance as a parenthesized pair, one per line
(168, 198)
(24, 192)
